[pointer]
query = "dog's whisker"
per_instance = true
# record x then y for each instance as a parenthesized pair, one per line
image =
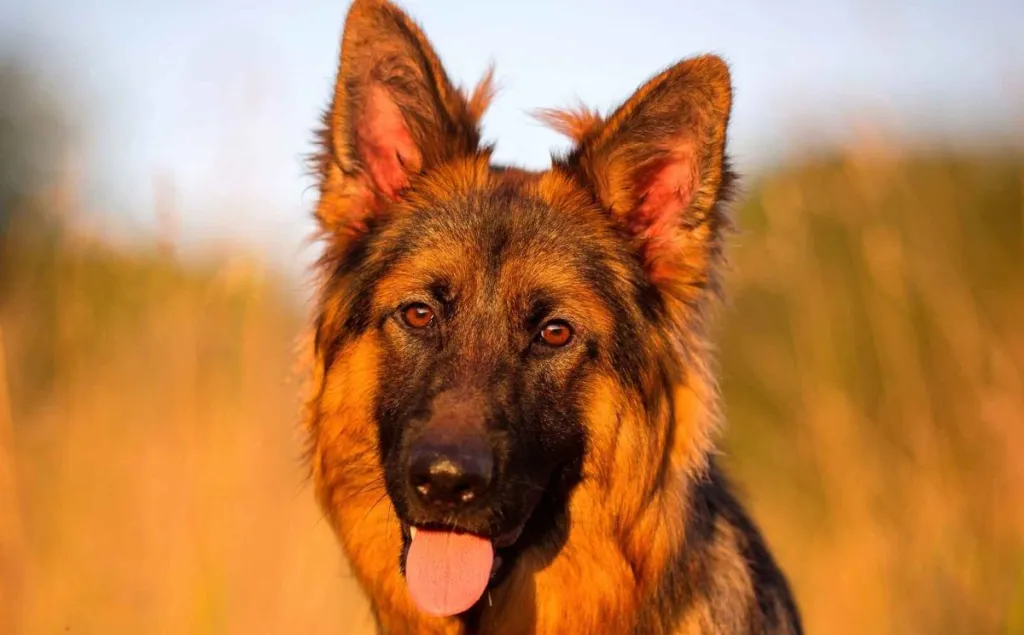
(526, 484)
(369, 488)
(366, 515)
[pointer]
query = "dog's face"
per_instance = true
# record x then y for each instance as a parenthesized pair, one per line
(493, 309)
(493, 334)
(492, 314)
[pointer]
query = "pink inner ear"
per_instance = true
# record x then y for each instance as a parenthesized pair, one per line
(385, 146)
(666, 192)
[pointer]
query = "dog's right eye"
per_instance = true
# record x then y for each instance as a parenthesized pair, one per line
(555, 334)
(418, 316)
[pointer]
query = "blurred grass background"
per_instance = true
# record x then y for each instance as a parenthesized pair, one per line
(872, 369)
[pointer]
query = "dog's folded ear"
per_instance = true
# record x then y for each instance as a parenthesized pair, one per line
(658, 164)
(394, 114)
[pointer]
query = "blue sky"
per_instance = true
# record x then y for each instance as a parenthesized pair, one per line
(221, 95)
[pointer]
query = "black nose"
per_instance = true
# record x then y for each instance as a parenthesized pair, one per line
(449, 476)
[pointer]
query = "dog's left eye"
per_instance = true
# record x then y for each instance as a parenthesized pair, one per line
(555, 333)
(418, 316)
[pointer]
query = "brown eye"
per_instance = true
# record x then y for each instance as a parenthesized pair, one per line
(556, 333)
(418, 316)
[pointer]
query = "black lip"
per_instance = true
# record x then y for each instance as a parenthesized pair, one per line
(501, 541)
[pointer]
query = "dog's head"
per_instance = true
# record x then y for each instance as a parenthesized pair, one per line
(487, 338)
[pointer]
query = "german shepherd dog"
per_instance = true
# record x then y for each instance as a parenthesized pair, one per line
(512, 403)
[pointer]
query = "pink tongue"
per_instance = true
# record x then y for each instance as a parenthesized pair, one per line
(447, 572)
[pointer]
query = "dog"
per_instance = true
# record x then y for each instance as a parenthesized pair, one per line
(512, 404)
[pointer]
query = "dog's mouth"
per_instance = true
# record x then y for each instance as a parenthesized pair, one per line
(448, 570)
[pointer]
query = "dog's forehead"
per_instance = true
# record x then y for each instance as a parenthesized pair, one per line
(500, 244)
(482, 227)
(506, 203)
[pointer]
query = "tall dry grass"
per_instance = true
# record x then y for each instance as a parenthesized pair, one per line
(873, 363)
(158, 481)
(874, 380)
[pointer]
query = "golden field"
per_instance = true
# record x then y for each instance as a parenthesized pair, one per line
(872, 363)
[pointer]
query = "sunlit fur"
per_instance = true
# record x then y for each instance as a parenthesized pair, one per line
(625, 232)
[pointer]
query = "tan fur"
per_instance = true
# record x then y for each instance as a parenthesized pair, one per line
(646, 447)
(576, 123)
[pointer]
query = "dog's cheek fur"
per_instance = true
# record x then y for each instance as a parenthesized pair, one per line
(546, 446)
(406, 387)
(348, 481)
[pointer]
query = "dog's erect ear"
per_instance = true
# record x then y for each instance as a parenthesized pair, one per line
(394, 114)
(658, 165)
